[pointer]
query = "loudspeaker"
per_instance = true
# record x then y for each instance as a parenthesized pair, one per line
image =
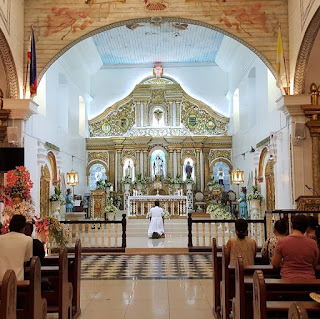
(299, 131)
(12, 134)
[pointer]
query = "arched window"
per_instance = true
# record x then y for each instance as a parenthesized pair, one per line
(82, 117)
(188, 169)
(236, 110)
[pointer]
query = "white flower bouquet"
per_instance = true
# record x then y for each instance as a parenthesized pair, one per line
(217, 211)
(254, 194)
(166, 215)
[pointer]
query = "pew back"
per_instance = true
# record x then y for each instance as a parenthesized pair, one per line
(8, 295)
(297, 311)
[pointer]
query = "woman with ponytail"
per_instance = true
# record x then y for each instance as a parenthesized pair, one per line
(280, 230)
(242, 245)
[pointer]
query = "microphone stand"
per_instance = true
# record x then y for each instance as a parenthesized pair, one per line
(312, 190)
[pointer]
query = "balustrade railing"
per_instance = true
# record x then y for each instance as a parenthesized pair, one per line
(201, 232)
(97, 235)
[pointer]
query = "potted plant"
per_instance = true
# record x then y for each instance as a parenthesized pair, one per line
(218, 211)
(177, 182)
(55, 200)
(189, 182)
(110, 210)
(139, 182)
(254, 199)
(214, 186)
(127, 181)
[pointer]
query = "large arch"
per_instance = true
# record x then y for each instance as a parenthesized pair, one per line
(107, 27)
(304, 53)
(9, 68)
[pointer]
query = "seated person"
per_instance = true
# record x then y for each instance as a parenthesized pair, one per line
(15, 248)
(313, 230)
(298, 254)
(38, 248)
(280, 230)
(156, 223)
(242, 245)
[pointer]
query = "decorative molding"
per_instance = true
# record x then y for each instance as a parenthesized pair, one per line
(21, 109)
(5, 9)
(265, 141)
(304, 53)
(100, 156)
(9, 68)
(305, 7)
(52, 146)
(217, 154)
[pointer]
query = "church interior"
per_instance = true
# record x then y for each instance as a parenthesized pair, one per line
(209, 108)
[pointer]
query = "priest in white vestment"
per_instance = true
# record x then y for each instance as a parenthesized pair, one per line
(156, 223)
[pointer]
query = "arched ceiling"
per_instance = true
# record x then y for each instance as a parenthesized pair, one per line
(166, 42)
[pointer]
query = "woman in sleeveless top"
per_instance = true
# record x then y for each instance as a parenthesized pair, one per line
(242, 245)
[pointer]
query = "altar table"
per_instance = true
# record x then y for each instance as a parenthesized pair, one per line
(141, 205)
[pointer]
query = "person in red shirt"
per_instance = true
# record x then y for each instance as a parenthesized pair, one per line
(296, 255)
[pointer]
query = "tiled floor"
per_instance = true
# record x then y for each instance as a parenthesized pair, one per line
(131, 297)
(197, 266)
(146, 299)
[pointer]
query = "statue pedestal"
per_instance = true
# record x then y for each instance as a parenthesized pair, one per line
(308, 203)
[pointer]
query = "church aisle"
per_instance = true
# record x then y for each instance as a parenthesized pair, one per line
(146, 299)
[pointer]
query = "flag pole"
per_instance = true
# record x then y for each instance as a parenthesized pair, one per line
(28, 63)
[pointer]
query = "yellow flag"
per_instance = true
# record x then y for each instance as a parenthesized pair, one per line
(281, 67)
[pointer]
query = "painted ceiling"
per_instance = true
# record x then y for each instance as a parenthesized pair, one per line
(142, 43)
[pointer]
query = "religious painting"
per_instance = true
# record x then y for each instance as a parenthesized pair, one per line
(221, 173)
(97, 173)
(192, 121)
(106, 127)
(158, 164)
(210, 126)
(188, 169)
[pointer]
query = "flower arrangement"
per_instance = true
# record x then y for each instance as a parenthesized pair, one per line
(110, 208)
(24, 208)
(57, 196)
(189, 180)
(103, 185)
(19, 184)
(177, 180)
(217, 211)
(254, 194)
(214, 184)
(50, 227)
(126, 180)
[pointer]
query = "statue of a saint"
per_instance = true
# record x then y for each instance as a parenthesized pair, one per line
(158, 166)
(128, 171)
(188, 170)
(98, 174)
(220, 176)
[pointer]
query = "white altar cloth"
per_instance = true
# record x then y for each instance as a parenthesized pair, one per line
(141, 205)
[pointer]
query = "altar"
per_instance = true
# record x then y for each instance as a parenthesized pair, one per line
(174, 204)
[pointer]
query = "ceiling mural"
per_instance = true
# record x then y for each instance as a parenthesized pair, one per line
(140, 43)
(139, 114)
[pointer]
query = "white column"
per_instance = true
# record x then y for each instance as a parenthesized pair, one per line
(201, 166)
(174, 163)
(141, 116)
(116, 171)
(174, 114)
(141, 162)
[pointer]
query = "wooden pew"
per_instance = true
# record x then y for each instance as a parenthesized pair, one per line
(8, 296)
(243, 302)
(264, 306)
(216, 276)
(297, 311)
(60, 300)
(74, 275)
(227, 283)
(29, 291)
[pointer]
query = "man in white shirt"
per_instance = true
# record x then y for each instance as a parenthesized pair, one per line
(15, 248)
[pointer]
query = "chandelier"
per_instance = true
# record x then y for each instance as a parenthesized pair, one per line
(72, 177)
(237, 177)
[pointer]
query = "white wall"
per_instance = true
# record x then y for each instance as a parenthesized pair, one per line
(58, 123)
(258, 119)
(206, 82)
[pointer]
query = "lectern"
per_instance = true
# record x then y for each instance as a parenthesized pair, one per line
(308, 203)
